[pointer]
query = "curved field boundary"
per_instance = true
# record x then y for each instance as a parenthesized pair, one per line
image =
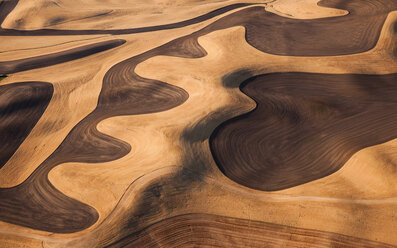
(5, 8)
(21, 106)
(305, 127)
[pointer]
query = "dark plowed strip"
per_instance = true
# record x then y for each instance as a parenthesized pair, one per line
(305, 127)
(7, 67)
(204, 230)
(21, 106)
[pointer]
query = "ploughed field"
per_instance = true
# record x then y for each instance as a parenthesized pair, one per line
(198, 124)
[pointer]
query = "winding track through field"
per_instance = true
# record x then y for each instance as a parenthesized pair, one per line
(125, 93)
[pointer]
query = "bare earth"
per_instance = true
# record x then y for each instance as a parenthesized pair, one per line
(198, 123)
